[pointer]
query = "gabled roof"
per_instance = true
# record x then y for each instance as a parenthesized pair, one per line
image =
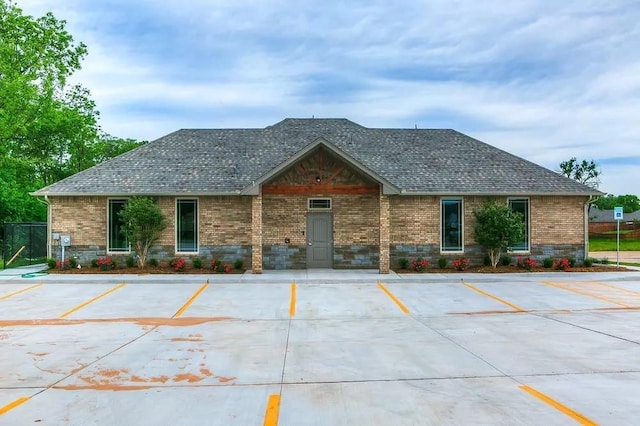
(232, 161)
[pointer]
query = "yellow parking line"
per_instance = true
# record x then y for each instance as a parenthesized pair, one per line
(496, 298)
(13, 405)
(584, 293)
(6, 296)
(188, 303)
(273, 409)
(292, 304)
(615, 287)
(100, 296)
(558, 406)
(395, 299)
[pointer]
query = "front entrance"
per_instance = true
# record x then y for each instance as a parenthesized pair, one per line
(319, 240)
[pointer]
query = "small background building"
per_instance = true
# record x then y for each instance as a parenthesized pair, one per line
(602, 224)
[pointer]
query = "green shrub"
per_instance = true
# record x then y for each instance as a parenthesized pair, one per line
(94, 263)
(572, 261)
(487, 260)
(588, 262)
(131, 262)
(403, 263)
(153, 262)
(73, 262)
(442, 262)
(196, 262)
(506, 260)
(238, 264)
(51, 263)
(548, 262)
(604, 261)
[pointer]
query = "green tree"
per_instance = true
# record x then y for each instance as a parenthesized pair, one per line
(143, 222)
(37, 56)
(48, 128)
(585, 172)
(630, 203)
(497, 229)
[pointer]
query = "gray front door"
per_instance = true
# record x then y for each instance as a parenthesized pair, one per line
(319, 244)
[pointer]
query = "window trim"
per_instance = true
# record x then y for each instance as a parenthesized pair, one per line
(528, 224)
(197, 231)
(461, 200)
(108, 245)
(319, 209)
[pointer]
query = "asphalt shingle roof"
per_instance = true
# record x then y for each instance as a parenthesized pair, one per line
(223, 161)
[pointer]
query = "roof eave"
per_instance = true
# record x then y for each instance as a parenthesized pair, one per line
(501, 194)
(137, 194)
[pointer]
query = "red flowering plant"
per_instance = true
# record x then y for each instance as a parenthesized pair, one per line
(419, 264)
(461, 264)
(215, 264)
(63, 265)
(105, 263)
(178, 264)
(562, 265)
(526, 263)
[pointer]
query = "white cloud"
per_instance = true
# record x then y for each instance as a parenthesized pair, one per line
(544, 80)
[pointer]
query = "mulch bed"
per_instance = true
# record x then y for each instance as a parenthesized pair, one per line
(500, 269)
(512, 269)
(146, 270)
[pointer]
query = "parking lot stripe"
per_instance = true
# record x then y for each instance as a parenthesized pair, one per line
(273, 409)
(558, 406)
(584, 293)
(6, 296)
(395, 299)
(292, 304)
(13, 405)
(496, 298)
(193, 297)
(616, 287)
(100, 296)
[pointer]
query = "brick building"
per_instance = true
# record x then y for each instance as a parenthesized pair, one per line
(318, 193)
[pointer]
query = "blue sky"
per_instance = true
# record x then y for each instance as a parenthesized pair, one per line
(541, 79)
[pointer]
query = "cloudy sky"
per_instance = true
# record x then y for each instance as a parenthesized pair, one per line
(545, 80)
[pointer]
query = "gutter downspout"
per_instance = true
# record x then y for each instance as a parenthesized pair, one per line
(46, 201)
(586, 226)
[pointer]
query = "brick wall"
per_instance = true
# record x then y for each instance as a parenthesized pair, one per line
(224, 226)
(557, 226)
(84, 218)
(557, 220)
(356, 229)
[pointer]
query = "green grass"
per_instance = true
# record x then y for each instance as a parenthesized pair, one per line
(608, 244)
(23, 262)
(622, 232)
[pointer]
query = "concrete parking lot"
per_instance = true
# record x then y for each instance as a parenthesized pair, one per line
(320, 348)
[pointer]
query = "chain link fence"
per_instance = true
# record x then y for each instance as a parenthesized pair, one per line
(23, 244)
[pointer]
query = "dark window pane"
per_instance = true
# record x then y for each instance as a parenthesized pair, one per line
(451, 225)
(320, 204)
(117, 239)
(521, 206)
(187, 225)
